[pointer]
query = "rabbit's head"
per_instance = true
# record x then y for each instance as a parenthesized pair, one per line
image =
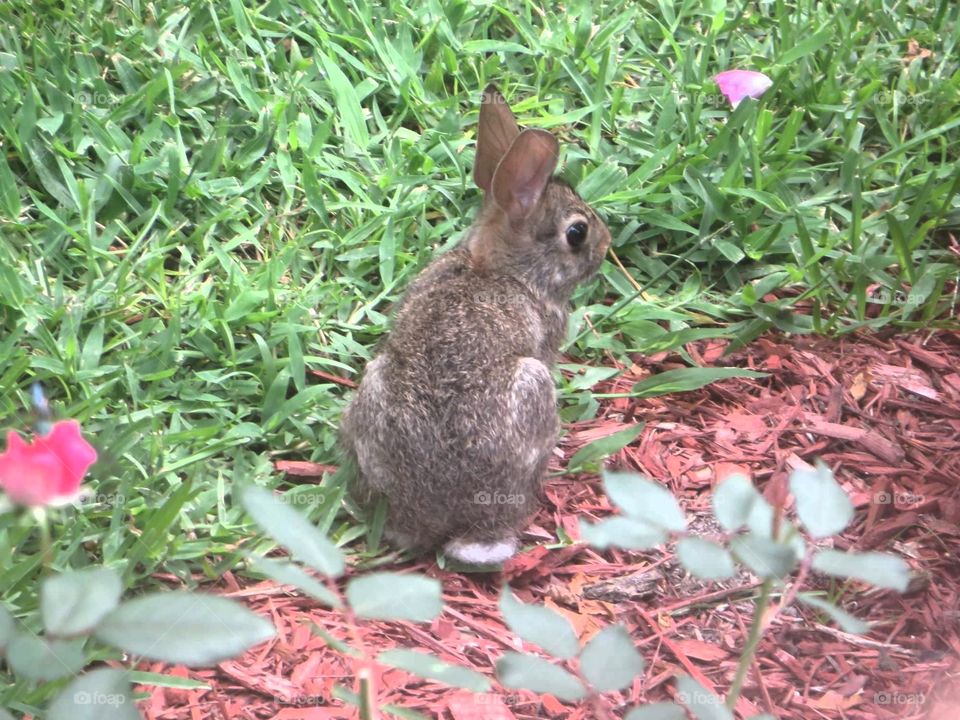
(532, 224)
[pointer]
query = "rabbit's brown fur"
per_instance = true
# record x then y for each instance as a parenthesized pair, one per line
(455, 418)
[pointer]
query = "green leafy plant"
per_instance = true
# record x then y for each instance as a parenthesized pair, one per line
(81, 609)
(756, 535)
(374, 596)
(81, 616)
(608, 662)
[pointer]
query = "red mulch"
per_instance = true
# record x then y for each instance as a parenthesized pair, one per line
(883, 412)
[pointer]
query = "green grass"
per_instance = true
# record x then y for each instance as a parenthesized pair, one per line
(201, 203)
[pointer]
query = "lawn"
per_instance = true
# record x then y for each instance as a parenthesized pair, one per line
(208, 208)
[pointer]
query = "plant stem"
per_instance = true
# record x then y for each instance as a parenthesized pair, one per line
(368, 704)
(791, 594)
(600, 704)
(753, 639)
(367, 688)
(46, 541)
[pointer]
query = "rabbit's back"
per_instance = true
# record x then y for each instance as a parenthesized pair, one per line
(461, 325)
(455, 418)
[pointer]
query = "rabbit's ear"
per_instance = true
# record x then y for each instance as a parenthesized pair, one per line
(524, 172)
(498, 130)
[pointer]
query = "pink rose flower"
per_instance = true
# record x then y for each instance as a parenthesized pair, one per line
(738, 84)
(49, 470)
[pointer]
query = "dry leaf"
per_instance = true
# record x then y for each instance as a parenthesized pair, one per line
(858, 388)
(832, 700)
(914, 51)
(301, 468)
(701, 650)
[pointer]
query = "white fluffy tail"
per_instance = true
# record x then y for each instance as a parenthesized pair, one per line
(478, 553)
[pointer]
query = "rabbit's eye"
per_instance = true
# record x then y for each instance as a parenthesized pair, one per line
(576, 234)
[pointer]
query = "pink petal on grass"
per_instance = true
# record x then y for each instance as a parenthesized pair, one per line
(49, 470)
(738, 84)
(76, 454)
(26, 477)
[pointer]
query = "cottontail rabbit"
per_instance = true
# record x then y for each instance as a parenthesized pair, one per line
(455, 418)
